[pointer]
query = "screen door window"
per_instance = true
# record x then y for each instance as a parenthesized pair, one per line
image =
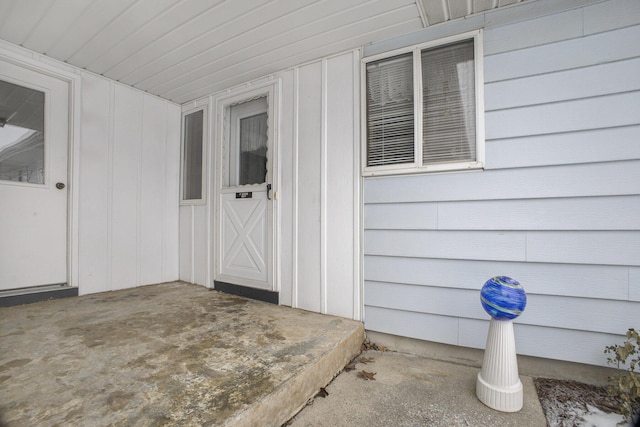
(248, 142)
(21, 134)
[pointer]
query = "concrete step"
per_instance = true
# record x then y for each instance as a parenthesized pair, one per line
(327, 356)
(168, 354)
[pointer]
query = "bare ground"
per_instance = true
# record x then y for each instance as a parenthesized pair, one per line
(565, 403)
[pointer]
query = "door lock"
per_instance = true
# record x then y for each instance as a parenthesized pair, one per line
(60, 185)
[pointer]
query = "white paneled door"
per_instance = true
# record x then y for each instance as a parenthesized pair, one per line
(34, 124)
(246, 233)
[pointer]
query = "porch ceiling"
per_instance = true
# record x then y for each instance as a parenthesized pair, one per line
(182, 50)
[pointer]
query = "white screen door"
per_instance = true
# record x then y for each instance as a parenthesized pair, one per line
(245, 198)
(34, 123)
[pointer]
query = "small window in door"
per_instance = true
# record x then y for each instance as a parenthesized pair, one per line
(192, 158)
(247, 143)
(21, 134)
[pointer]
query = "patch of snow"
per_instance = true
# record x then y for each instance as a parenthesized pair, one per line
(594, 417)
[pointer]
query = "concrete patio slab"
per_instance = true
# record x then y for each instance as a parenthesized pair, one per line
(409, 390)
(169, 354)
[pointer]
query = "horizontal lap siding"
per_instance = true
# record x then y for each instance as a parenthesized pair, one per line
(557, 206)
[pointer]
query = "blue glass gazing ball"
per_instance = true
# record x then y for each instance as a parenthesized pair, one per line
(503, 298)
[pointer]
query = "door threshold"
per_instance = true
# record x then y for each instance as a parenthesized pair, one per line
(33, 294)
(245, 291)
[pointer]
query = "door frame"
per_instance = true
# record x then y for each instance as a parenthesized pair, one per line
(270, 89)
(43, 65)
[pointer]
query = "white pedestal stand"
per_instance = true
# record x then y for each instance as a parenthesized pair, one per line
(498, 385)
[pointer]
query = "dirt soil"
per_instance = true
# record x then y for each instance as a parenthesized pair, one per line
(565, 402)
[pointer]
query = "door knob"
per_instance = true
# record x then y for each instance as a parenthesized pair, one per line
(60, 185)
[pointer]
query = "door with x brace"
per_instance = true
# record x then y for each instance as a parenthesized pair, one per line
(246, 235)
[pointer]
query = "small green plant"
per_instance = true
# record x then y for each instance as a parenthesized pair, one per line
(625, 385)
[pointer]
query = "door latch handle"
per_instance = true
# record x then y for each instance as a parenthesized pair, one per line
(268, 191)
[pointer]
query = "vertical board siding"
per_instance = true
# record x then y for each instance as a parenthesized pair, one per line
(308, 234)
(170, 228)
(186, 243)
(128, 204)
(93, 220)
(317, 192)
(340, 265)
(287, 189)
(200, 245)
(557, 206)
(152, 191)
(125, 170)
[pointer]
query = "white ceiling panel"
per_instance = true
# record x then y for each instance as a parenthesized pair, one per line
(45, 33)
(153, 38)
(290, 38)
(121, 28)
(186, 49)
(459, 8)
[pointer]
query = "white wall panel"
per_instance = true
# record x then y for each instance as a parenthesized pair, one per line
(287, 191)
(611, 15)
(125, 178)
(634, 284)
(594, 247)
(128, 202)
(584, 180)
(597, 145)
(425, 299)
(308, 234)
(579, 213)
(152, 192)
(553, 343)
(340, 265)
(597, 80)
(537, 278)
(410, 324)
(566, 116)
(95, 195)
(541, 310)
(171, 254)
(573, 53)
(484, 245)
(186, 243)
(408, 216)
(557, 27)
(200, 245)
(556, 207)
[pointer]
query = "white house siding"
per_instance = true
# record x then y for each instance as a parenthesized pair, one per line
(318, 190)
(124, 177)
(557, 206)
(320, 186)
(129, 172)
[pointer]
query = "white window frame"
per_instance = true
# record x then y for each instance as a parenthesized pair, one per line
(205, 137)
(416, 166)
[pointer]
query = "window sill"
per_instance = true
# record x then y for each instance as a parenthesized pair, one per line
(441, 168)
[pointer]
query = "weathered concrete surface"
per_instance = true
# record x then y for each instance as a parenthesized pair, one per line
(413, 391)
(170, 354)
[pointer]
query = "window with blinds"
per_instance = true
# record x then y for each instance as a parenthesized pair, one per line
(390, 111)
(428, 122)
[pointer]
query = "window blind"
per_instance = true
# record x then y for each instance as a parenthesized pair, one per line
(449, 124)
(390, 128)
